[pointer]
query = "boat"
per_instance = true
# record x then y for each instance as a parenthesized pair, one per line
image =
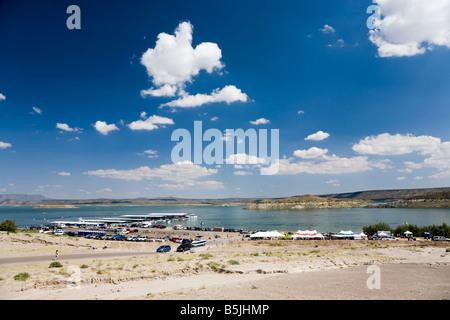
(198, 242)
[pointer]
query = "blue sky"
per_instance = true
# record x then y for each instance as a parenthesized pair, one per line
(375, 103)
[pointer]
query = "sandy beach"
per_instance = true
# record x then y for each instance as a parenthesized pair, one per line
(228, 268)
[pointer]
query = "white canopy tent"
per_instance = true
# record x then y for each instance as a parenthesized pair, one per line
(345, 234)
(408, 233)
(360, 236)
(266, 235)
(307, 234)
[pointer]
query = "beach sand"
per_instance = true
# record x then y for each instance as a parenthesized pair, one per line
(226, 269)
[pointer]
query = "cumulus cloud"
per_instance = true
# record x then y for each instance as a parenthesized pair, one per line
(319, 135)
(327, 165)
(181, 175)
(243, 158)
(327, 29)
(411, 27)
(260, 121)
(387, 144)
(104, 128)
(63, 173)
(182, 172)
(174, 62)
(166, 90)
(66, 127)
(4, 145)
(151, 123)
(436, 153)
(311, 153)
(228, 94)
(2, 97)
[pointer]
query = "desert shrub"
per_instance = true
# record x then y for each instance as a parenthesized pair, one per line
(23, 276)
(213, 265)
(205, 256)
(233, 262)
(55, 264)
(8, 225)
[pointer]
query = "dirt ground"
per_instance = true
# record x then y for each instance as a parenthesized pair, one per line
(226, 269)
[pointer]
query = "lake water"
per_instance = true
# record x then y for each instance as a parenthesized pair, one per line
(322, 220)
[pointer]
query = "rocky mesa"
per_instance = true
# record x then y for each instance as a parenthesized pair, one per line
(304, 202)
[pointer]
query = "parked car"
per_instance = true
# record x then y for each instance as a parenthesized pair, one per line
(118, 237)
(163, 249)
(440, 238)
(58, 232)
(389, 239)
(184, 247)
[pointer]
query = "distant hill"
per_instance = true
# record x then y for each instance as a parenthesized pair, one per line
(21, 198)
(433, 200)
(305, 202)
(386, 195)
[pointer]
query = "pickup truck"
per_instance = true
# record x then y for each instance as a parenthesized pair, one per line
(440, 238)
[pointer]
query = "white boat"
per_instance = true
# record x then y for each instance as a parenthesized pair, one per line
(198, 243)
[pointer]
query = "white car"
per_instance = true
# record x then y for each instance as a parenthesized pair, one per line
(58, 232)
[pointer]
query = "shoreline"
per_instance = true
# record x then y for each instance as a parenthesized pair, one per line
(227, 268)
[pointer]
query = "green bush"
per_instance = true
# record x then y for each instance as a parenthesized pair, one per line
(433, 230)
(8, 225)
(22, 276)
(233, 262)
(55, 264)
(371, 229)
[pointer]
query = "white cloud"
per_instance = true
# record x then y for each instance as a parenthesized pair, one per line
(66, 127)
(401, 178)
(151, 123)
(300, 112)
(319, 135)
(436, 153)
(387, 144)
(260, 121)
(2, 97)
(411, 27)
(179, 172)
(327, 29)
(311, 153)
(334, 183)
(166, 90)
(209, 184)
(214, 118)
(104, 128)
(151, 153)
(63, 173)
(174, 61)
(4, 145)
(327, 165)
(228, 94)
(105, 190)
(242, 173)
(37, 110)
(243, 158)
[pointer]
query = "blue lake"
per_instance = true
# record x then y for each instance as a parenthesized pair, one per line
(323, 220)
